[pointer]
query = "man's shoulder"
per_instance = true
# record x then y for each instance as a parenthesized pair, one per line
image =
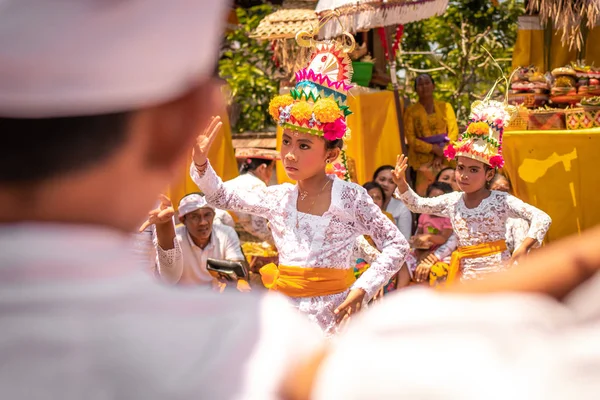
(225, 231)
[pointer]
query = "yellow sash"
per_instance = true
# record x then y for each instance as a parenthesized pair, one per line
(306, 282)
(478, 250)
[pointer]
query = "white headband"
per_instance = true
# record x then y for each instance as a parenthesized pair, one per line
(190, 203)
(86, 57)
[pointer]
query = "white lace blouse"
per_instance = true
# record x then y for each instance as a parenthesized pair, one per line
(482, 224)
(327, 241)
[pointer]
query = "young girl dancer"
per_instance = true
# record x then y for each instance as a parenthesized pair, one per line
(478, 214)
(316, 222)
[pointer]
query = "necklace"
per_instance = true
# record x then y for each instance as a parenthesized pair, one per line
(303, 195)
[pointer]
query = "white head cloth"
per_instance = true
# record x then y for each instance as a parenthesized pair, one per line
(86, 57)
(190, 203)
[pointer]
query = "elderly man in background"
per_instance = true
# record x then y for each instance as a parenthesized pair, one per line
(182, 251)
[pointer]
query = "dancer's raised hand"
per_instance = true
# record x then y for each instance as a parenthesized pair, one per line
(205, 139)
(160, 215)
(399, 174)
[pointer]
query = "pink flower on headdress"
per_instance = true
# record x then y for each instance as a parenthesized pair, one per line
(334, 130)
(499, 122)
(497, 161)
(450, 152)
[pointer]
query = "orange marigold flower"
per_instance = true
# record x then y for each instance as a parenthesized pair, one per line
(478, 128)
(302, 111)
(279, 102)
(327, 110)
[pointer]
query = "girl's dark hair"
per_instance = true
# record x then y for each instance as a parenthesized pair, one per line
(421, 76)
(332, 144)
(62, 145)
(499, 176)
(380, 169)
(250, 164)
(374, 185)
(437, 177)
(443, 186)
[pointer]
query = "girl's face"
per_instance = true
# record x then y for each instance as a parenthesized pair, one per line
(471, 175)
(501, 185)
(384, 178)
(448, 176)
(303, 155)
(435, 193)
(377, 197)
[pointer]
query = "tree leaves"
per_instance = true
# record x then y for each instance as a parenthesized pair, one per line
(246, 64)
(452, 47)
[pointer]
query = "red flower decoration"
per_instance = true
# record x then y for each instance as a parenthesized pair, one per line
(334, 130)
(497, 161)
(450, 152)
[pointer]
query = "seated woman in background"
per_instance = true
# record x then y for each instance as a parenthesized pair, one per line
(448, 175)
(400, 213)
(516, 228)
(432, 233)
(429, 124)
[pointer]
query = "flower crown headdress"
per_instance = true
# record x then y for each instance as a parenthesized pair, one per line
(482, 140)
(317, 104)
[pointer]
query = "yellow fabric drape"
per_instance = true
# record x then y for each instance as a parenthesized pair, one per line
(306, 282)
(529, 46)
(531, 49)
(556, 171)
(375, 139)
(592, 49)
(222, 159)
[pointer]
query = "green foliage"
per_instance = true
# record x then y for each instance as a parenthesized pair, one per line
(246, 64)
(455, 45)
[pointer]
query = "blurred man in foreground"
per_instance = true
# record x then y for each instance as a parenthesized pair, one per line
(99, 101)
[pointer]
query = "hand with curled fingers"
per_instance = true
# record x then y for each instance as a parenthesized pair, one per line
(161, 215)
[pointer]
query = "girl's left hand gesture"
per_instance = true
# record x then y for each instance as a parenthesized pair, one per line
(350, 306)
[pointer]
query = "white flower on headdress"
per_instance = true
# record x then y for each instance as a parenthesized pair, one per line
(312, 121)
(492, 112)
(284, 114)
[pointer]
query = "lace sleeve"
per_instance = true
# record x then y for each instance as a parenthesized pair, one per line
(386, 236)
(364, 250)
(428, 205)
(257, 226)
(539, 221)
(169, 262)
(255, 201)
(447, 248)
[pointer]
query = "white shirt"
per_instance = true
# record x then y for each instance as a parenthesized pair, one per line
(441, 346)
(186, 262)
(80, 320)
(402, 217)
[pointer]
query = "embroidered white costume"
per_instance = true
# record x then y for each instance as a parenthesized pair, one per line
(253, 224)
(482, 224)
(325, 241)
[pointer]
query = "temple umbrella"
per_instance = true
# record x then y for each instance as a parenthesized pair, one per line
(362, 15)
(281, 27)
